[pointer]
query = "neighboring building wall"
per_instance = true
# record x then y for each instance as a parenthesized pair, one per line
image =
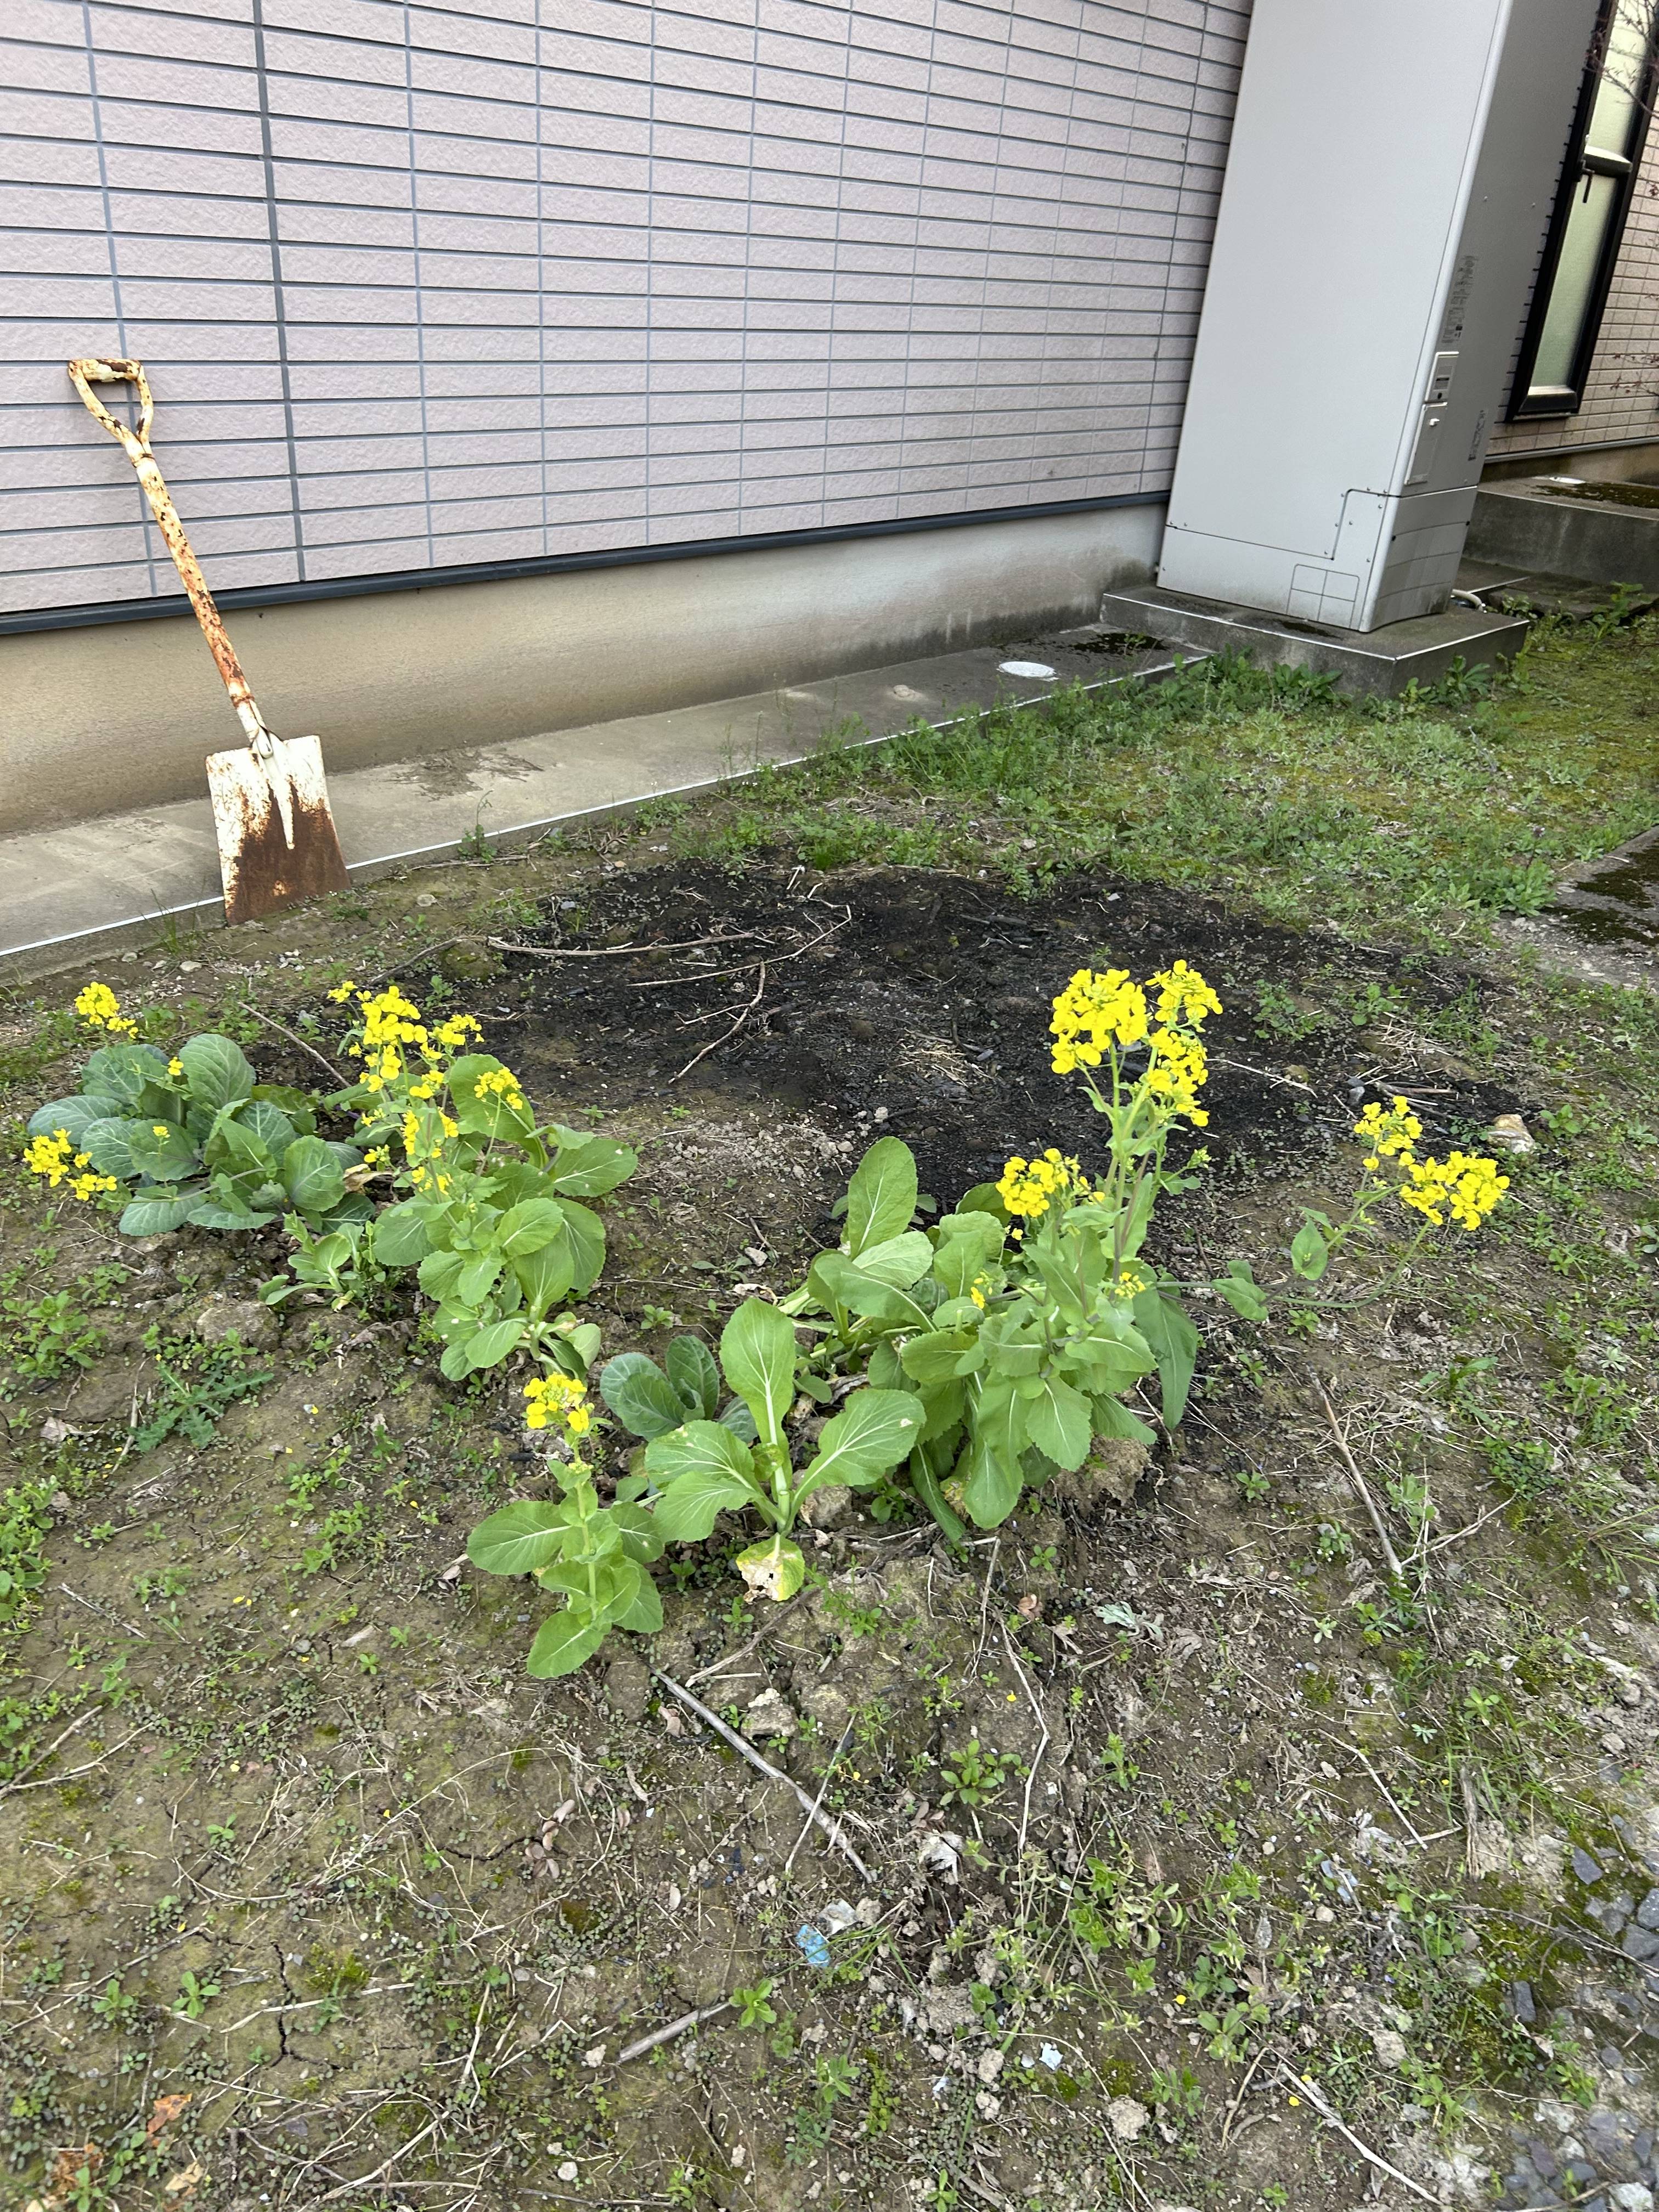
(420, 287)
(1622, 400)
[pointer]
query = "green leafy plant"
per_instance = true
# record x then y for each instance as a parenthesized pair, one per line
(974, 1777)
(593, 1556)
(753, 2009)
(494, 1222)
(199, 1384)
(704, 1467)
(198, 1138)
(196, 1992)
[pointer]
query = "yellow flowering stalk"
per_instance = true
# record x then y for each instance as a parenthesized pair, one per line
(487, 1209)
(56, 1159)
(100, 1009)
(593, 1557)
(1465, 1187)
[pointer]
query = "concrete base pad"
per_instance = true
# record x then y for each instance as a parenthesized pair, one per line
(1382, 660)
(69, 895)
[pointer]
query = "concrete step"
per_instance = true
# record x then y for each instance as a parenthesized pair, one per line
(70, 894)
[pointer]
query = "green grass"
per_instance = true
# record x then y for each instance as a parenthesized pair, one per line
(1419, 815)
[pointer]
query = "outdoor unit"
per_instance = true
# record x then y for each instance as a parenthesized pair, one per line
(1391, 173)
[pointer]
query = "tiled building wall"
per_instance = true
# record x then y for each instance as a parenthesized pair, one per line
(423, 285)
(1621, 396)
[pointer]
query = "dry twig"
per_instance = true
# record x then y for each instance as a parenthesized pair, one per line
(1300, 2085)
(1389, 1554)
(283, 1030)
(725, 1035)
(674, 2027)
(745, 1749)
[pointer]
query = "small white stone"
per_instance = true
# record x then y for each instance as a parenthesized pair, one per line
(1631, 2196)
(989, 2066)
(568, 2170)
(1128, 2116)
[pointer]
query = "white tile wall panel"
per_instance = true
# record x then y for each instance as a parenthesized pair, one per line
(425, 286)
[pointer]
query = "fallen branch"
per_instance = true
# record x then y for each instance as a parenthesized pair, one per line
(1036, 1759)
(725, 1035)
(283, 1030)
(745, 1749)
(1365, 1498)
(1300, 2082)
(674, 2027)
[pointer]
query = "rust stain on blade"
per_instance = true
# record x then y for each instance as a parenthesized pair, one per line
(262, 869)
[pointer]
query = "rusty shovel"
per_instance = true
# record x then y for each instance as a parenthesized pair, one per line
(278, 841)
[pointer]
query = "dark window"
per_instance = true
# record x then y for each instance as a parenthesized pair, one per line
(1599, 178)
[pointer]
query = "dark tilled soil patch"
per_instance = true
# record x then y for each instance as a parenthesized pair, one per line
(907, 1002)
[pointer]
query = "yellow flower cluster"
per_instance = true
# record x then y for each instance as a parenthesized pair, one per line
(1183, 995)
(423, 1139)
(1030, 1187)
(1466, 1185)
(500, 1083)
(392, 1024)
(1098, 1014)
(1390, 1131)
(100, 1009)
(1176, 1073)
(1093, 1013)
(560, 1398)
(1128, 1282)
(56, 1159)
(1463, 1185)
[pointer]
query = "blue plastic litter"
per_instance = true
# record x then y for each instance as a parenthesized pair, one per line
(814, 1944)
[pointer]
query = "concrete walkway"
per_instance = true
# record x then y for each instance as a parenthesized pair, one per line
(71, 894)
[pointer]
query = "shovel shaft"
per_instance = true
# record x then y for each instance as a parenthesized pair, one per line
(135, 443)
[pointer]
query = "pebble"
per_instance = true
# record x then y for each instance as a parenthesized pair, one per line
(1585, 1867)
(1128, 2116)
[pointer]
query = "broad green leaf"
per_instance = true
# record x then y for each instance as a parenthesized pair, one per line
(582, 1344)
(691, 1504)
(640, 1395)
(758, 1355)
(477, 1278)
(493, 1343)
(935, 1357)
(881, 1195)
(108, 1146)
(456, 1361)
(587, 1167)
(543, 1276)
(644, 1614)
(120, 1071)
(311, 1175)
(966, 1253)
(520, 1538)
(983, 1198)
(1114, 1418)
(773, 1568)
(873, 1432)
(1238, 1286)
(208, 1213)
(217, 1071)
(636, 1525)
(149, 1216)
(72, 1115)
(1057, 1422)
(524, 1228)
(563, 1642)
(696, 1378)
(269, 1124)
(900, 1261)
(836, 1280)
(166, 1159)
(491, 1115)
(439, 1272)
(586, 1234)
(399, 1237)
(992, 1488)
(1173, 1342)
(1310, 1252)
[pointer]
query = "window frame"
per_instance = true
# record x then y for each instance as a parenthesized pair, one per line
(1529, 401)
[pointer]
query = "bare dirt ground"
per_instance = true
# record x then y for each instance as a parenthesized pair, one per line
(1283, 1832)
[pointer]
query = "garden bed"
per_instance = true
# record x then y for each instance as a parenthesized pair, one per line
(1158, 1801)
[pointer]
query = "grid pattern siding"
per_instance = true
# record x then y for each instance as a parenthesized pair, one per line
(1622, 393)
(422, 285)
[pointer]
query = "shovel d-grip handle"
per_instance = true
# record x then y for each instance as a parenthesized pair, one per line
(83, 375)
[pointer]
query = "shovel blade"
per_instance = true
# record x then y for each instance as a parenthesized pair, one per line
(261, 871)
